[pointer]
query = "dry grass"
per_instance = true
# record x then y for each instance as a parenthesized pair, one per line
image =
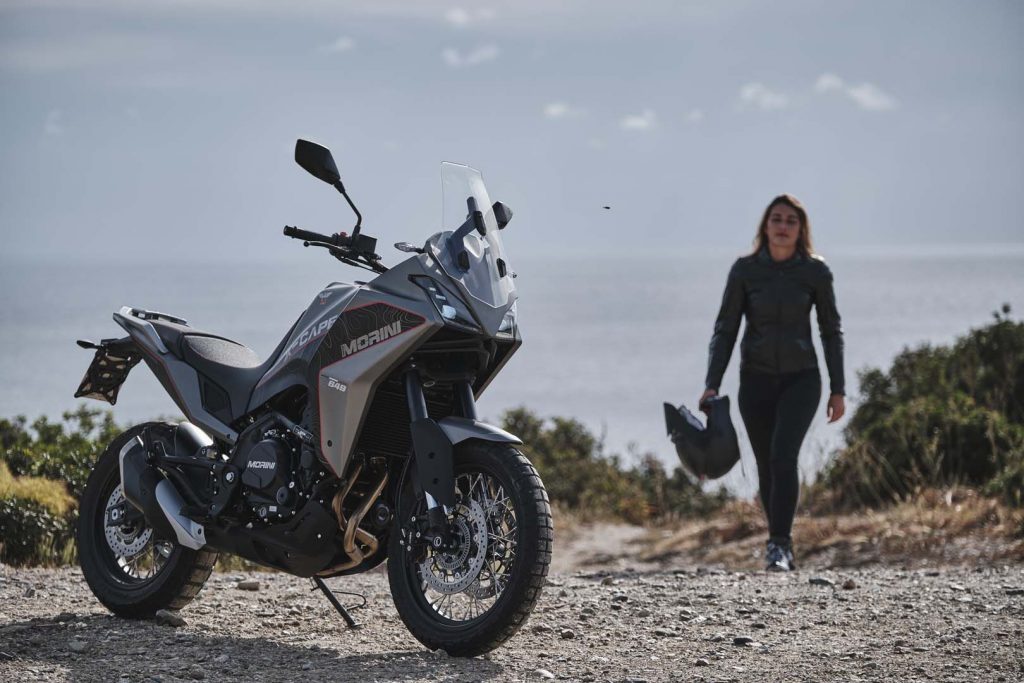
(938, 527)
(52, 495)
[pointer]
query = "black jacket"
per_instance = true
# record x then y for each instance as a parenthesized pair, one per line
(776, 298)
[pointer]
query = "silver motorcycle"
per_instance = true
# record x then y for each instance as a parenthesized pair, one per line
(354, 442)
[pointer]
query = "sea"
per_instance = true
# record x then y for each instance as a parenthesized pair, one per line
(607, 338)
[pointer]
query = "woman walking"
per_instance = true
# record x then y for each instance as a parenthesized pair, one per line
(780, 385)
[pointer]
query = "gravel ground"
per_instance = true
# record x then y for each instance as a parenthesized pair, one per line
(695, 625)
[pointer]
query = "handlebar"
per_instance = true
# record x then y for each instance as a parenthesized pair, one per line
(338, 240)
(355, 251)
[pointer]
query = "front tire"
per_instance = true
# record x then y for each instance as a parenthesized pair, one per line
(471, 600)
(128, 569)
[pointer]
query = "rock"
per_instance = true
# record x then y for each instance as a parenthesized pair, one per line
(30, 592)
(248, 585)
(759, 624)
(1015, 591)
(957, 587)
(745, 641)
(620, 597)
(196, 673)
(221, 659)
(567, 634)
(168, 618)
(663, 632)
(541, 628)
(306, 666)
(6, 656)
(545, 674)
(821, 581)
(606, 581)
(76, 645)
(702, 662)
(643, 613)
(849, 585)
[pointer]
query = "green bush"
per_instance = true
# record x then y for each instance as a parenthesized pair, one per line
(31, 535)
(580, 477)
(65, 452)
(939, 417)
(36, 520)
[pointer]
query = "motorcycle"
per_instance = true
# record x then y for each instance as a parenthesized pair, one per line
(354, 442)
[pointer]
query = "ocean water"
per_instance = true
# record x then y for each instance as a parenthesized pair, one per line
(606, 339)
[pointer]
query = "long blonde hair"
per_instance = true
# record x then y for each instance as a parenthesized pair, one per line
(803, 242)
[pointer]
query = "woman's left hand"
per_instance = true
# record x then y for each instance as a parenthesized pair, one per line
(836, 407)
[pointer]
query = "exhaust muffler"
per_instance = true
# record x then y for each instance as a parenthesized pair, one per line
(157, 499)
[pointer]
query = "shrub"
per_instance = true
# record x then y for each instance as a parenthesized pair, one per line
(65, 452)
(36, 520)
(938, 417)
(580, 477)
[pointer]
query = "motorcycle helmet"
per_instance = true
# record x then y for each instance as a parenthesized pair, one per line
(704, 452)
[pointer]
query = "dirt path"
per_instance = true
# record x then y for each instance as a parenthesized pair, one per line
(948, 625)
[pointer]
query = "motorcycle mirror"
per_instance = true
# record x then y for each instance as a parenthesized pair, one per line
(502, 214)
(317, 160)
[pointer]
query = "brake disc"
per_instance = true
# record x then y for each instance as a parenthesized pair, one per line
(453, 572)
(129, 540)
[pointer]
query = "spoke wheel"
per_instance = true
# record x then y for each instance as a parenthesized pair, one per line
(473, 594)
(132, 546)
(130, 570)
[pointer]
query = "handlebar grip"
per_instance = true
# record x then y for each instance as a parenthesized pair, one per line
(307, 235)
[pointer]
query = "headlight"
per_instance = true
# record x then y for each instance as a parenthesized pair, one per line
(445, 306)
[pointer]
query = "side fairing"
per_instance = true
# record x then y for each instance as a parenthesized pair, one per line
(291, 367)
(378, 330)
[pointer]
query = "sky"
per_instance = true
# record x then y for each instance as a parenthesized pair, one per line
(165, 129)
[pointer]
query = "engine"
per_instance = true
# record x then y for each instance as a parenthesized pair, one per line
(269, 476)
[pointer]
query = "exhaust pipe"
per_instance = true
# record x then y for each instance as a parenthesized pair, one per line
(149, 491)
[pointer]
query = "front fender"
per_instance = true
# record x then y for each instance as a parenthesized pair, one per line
(459, 429)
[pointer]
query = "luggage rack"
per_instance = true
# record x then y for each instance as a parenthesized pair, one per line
(143, 314)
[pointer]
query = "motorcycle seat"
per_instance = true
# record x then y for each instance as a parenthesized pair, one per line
(232, 367)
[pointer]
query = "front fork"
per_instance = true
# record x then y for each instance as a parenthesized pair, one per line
(432, 467)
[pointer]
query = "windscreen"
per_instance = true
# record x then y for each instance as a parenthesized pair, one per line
(484, 270)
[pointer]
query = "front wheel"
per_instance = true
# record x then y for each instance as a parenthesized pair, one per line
(471, 597)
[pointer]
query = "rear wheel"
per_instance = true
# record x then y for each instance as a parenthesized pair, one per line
(473, 596)
(129, 570)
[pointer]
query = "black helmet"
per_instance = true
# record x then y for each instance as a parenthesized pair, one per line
(705, 452)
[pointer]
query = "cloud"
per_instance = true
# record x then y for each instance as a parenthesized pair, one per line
(54, 125)
(645, 120)
(866, 95)
(341, 44)
(461, 18)
(760, 96)
(478, 55)
(869, 96)
(562, 110)
(827, 82)
(695, 116)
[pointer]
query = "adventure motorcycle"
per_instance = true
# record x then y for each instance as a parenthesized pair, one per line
(355, 441)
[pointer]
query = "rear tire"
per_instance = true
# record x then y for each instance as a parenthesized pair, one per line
(177, 573)
(515, 586)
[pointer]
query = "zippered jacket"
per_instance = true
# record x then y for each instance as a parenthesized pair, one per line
(776, 298)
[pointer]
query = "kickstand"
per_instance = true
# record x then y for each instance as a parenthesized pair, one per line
(334, 601)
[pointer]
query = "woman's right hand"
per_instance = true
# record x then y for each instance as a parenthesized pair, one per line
(703, 397)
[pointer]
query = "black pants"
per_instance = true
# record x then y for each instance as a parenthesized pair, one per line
(777, 410)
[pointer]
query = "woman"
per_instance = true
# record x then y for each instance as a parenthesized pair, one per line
(780, 385)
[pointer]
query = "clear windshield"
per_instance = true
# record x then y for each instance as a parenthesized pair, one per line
(476, 260)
